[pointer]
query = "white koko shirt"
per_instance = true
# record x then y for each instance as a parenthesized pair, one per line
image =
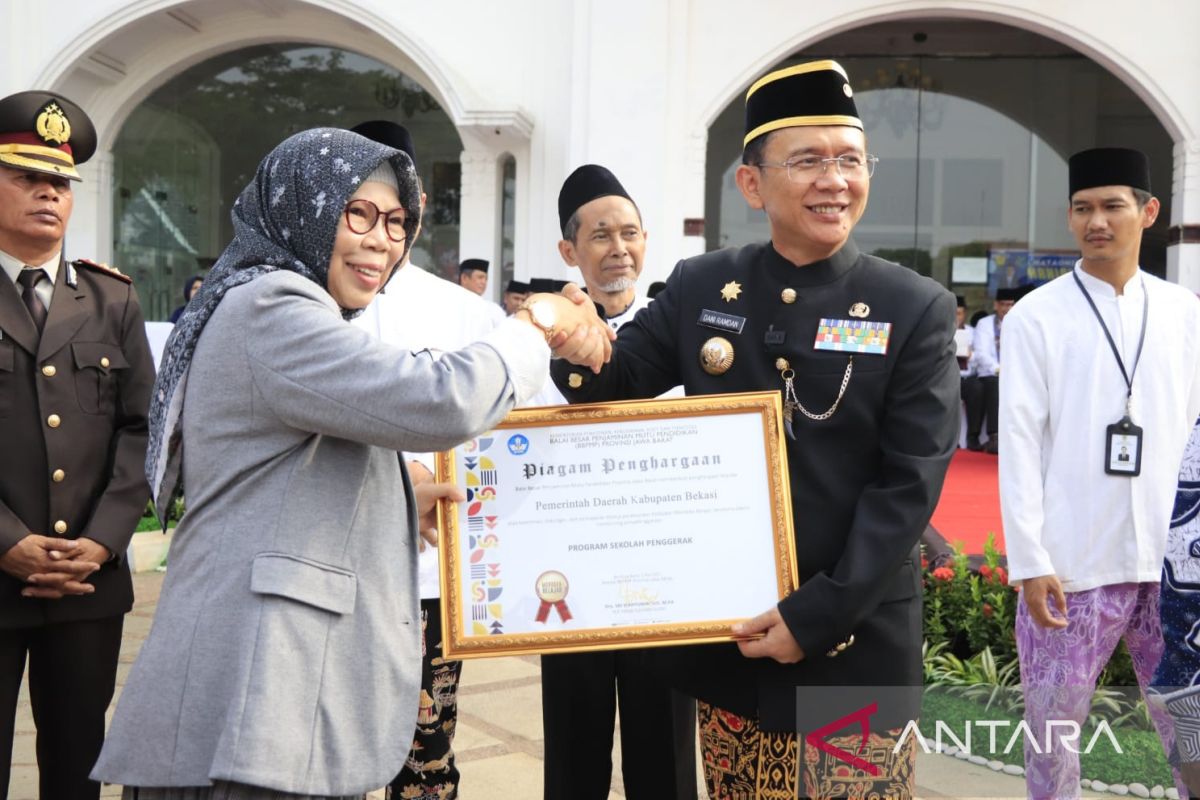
(1060, 389)
(420, 310)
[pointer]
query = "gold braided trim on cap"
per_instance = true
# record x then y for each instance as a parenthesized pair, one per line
(37, 163)
(37, 150)
(802, 122)
(799, 69)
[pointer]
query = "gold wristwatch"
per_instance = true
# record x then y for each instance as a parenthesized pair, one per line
(542, 314)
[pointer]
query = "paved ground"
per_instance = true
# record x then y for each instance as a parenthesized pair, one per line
(499, 741)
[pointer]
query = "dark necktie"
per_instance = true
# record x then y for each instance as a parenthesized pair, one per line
(29, 278)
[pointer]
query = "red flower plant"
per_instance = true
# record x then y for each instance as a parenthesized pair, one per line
(987, 609)
(944, 574)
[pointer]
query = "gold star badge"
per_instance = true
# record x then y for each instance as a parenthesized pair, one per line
(730, 291)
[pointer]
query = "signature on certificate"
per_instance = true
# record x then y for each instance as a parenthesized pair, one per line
(637, 594)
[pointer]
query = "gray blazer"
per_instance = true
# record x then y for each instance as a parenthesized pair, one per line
(286, 652)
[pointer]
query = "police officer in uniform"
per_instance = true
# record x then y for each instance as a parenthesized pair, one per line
(75, 381)
(862, 353)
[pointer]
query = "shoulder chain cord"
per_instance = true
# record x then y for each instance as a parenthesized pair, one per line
(792, 402)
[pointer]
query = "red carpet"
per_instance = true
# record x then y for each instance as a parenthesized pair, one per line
(970, 504)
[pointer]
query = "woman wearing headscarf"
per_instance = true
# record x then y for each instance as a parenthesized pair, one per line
(190, 286)
(284, 659)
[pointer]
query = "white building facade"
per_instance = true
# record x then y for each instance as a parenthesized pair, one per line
(972, 105)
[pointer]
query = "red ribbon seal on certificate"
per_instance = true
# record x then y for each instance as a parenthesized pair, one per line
(551, 588)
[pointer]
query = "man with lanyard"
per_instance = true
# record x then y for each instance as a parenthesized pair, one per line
(603, 237)
(862, 352)
(1103, 359)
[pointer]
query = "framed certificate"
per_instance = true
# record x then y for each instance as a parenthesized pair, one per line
(614, 525)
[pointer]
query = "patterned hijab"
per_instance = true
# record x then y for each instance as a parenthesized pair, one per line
(287, 218)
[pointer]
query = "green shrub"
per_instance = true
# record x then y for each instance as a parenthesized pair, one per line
(149, 520)
(971, 610)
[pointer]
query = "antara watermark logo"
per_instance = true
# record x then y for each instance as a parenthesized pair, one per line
(1058, 734)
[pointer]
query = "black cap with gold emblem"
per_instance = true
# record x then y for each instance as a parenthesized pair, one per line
(816, 93)
(45, 132)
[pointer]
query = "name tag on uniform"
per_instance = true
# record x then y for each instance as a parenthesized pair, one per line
(720, 321)
(853, 336)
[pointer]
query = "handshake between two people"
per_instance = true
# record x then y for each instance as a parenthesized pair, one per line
(572, 327)
(574, 332)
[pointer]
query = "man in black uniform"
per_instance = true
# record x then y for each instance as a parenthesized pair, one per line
(75, 381)
(862, 352)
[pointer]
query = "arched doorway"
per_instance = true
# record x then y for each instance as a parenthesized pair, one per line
(187, 150)
(971, 186)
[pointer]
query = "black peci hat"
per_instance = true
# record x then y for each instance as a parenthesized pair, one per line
(389, 133)
(816, 93)
(1008, 293)
(583, 186)
(517, 286)
(471, 264)
(1108, 166)
(45, 132)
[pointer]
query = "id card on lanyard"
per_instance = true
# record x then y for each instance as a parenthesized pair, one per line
(1122, 439)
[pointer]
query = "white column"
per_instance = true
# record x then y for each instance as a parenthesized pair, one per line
(90, 233)
(1183, 254)
(478, 215)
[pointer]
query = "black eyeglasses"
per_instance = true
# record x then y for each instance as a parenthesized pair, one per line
(362, 215)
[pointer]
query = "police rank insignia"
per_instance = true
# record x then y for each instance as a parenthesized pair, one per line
(52, 125)
(716, 356)
(860, 310)
(730, 292)
(853, 336)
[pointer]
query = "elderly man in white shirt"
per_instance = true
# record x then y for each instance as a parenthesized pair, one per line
(1101, 386)
(422, 311)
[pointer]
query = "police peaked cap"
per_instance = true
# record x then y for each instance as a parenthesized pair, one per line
(45, 132)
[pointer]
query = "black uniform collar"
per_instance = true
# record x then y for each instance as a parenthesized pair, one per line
(817, 273)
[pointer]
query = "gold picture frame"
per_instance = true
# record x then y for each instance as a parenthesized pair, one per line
(491, 578)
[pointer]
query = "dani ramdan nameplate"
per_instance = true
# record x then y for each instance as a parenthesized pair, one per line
(613, 525)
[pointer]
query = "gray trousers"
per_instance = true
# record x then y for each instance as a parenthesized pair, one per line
(221, 790)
